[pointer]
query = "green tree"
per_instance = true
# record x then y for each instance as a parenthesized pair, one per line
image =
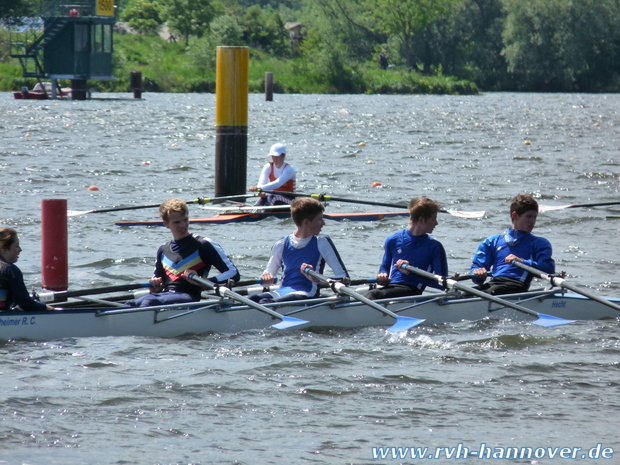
(344, 22)
(190, 17)
(12, 11)
(145, 16)
(405, 19)
(325, 63)
(264, 29)
(226, 30)
(561, 45)
(467, 43)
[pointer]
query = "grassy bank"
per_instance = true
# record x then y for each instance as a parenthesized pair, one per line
(170, 67)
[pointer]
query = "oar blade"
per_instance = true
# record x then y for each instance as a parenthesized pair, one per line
(551, 208)
(289, 322)
(76, 213)
(404, 323)
(549, 321)
(462, 214)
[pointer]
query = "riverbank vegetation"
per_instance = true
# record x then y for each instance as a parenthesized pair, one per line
(333, 46)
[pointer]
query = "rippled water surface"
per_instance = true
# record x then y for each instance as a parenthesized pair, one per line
(314, 397)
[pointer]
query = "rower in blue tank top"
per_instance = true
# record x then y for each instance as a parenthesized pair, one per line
(496, 253)
(305, 248)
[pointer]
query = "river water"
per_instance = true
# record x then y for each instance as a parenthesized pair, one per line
(328, 397)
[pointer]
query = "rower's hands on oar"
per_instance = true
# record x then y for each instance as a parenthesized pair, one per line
(512, 257)
(383, 279)
(257, 189)
(157, 285)
(268, 279)
(399, 263)
(304, 269)
(480, 273)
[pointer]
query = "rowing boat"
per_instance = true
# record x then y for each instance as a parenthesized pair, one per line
(247, 214)
(216, 315)
(261, 215)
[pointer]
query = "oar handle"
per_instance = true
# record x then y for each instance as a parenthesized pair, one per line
(332, 283)
(327, 198)
(340, 288)
(235, 296)
(57, 296)
(206, 200)
(556, 281)
(357, 282)
(451, 283)
(466, 277)
(251, 282)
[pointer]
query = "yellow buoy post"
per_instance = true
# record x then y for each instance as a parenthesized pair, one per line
(231, 120)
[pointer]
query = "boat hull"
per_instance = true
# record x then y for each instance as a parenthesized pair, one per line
(223, 316)
(31, 95)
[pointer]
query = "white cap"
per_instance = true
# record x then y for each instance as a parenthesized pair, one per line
(277, 150)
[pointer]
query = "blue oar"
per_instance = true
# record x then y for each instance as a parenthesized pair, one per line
(542, 319)
(286, 321)
(557, 281)
(357, 282)
(403, 323)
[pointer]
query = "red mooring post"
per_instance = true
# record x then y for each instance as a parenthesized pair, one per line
(54, 245)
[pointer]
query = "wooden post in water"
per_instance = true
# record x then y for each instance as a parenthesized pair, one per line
(269, 87)
(78, 89)
(135, 82)
(231, 120)
(54, 245)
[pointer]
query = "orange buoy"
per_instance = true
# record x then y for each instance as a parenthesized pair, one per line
(146, 162)
(376, 184)
(93, 188)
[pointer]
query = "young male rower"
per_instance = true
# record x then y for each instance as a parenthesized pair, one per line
(411, 246)
(517, 243)
(184, 254)
(276, 176)
(305, 248)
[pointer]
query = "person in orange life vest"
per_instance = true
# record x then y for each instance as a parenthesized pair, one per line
(276, 176)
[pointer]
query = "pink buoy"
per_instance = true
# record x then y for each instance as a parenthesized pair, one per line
(54, 245)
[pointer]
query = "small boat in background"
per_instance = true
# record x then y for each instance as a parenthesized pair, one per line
(42, 91)
(250, 217)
